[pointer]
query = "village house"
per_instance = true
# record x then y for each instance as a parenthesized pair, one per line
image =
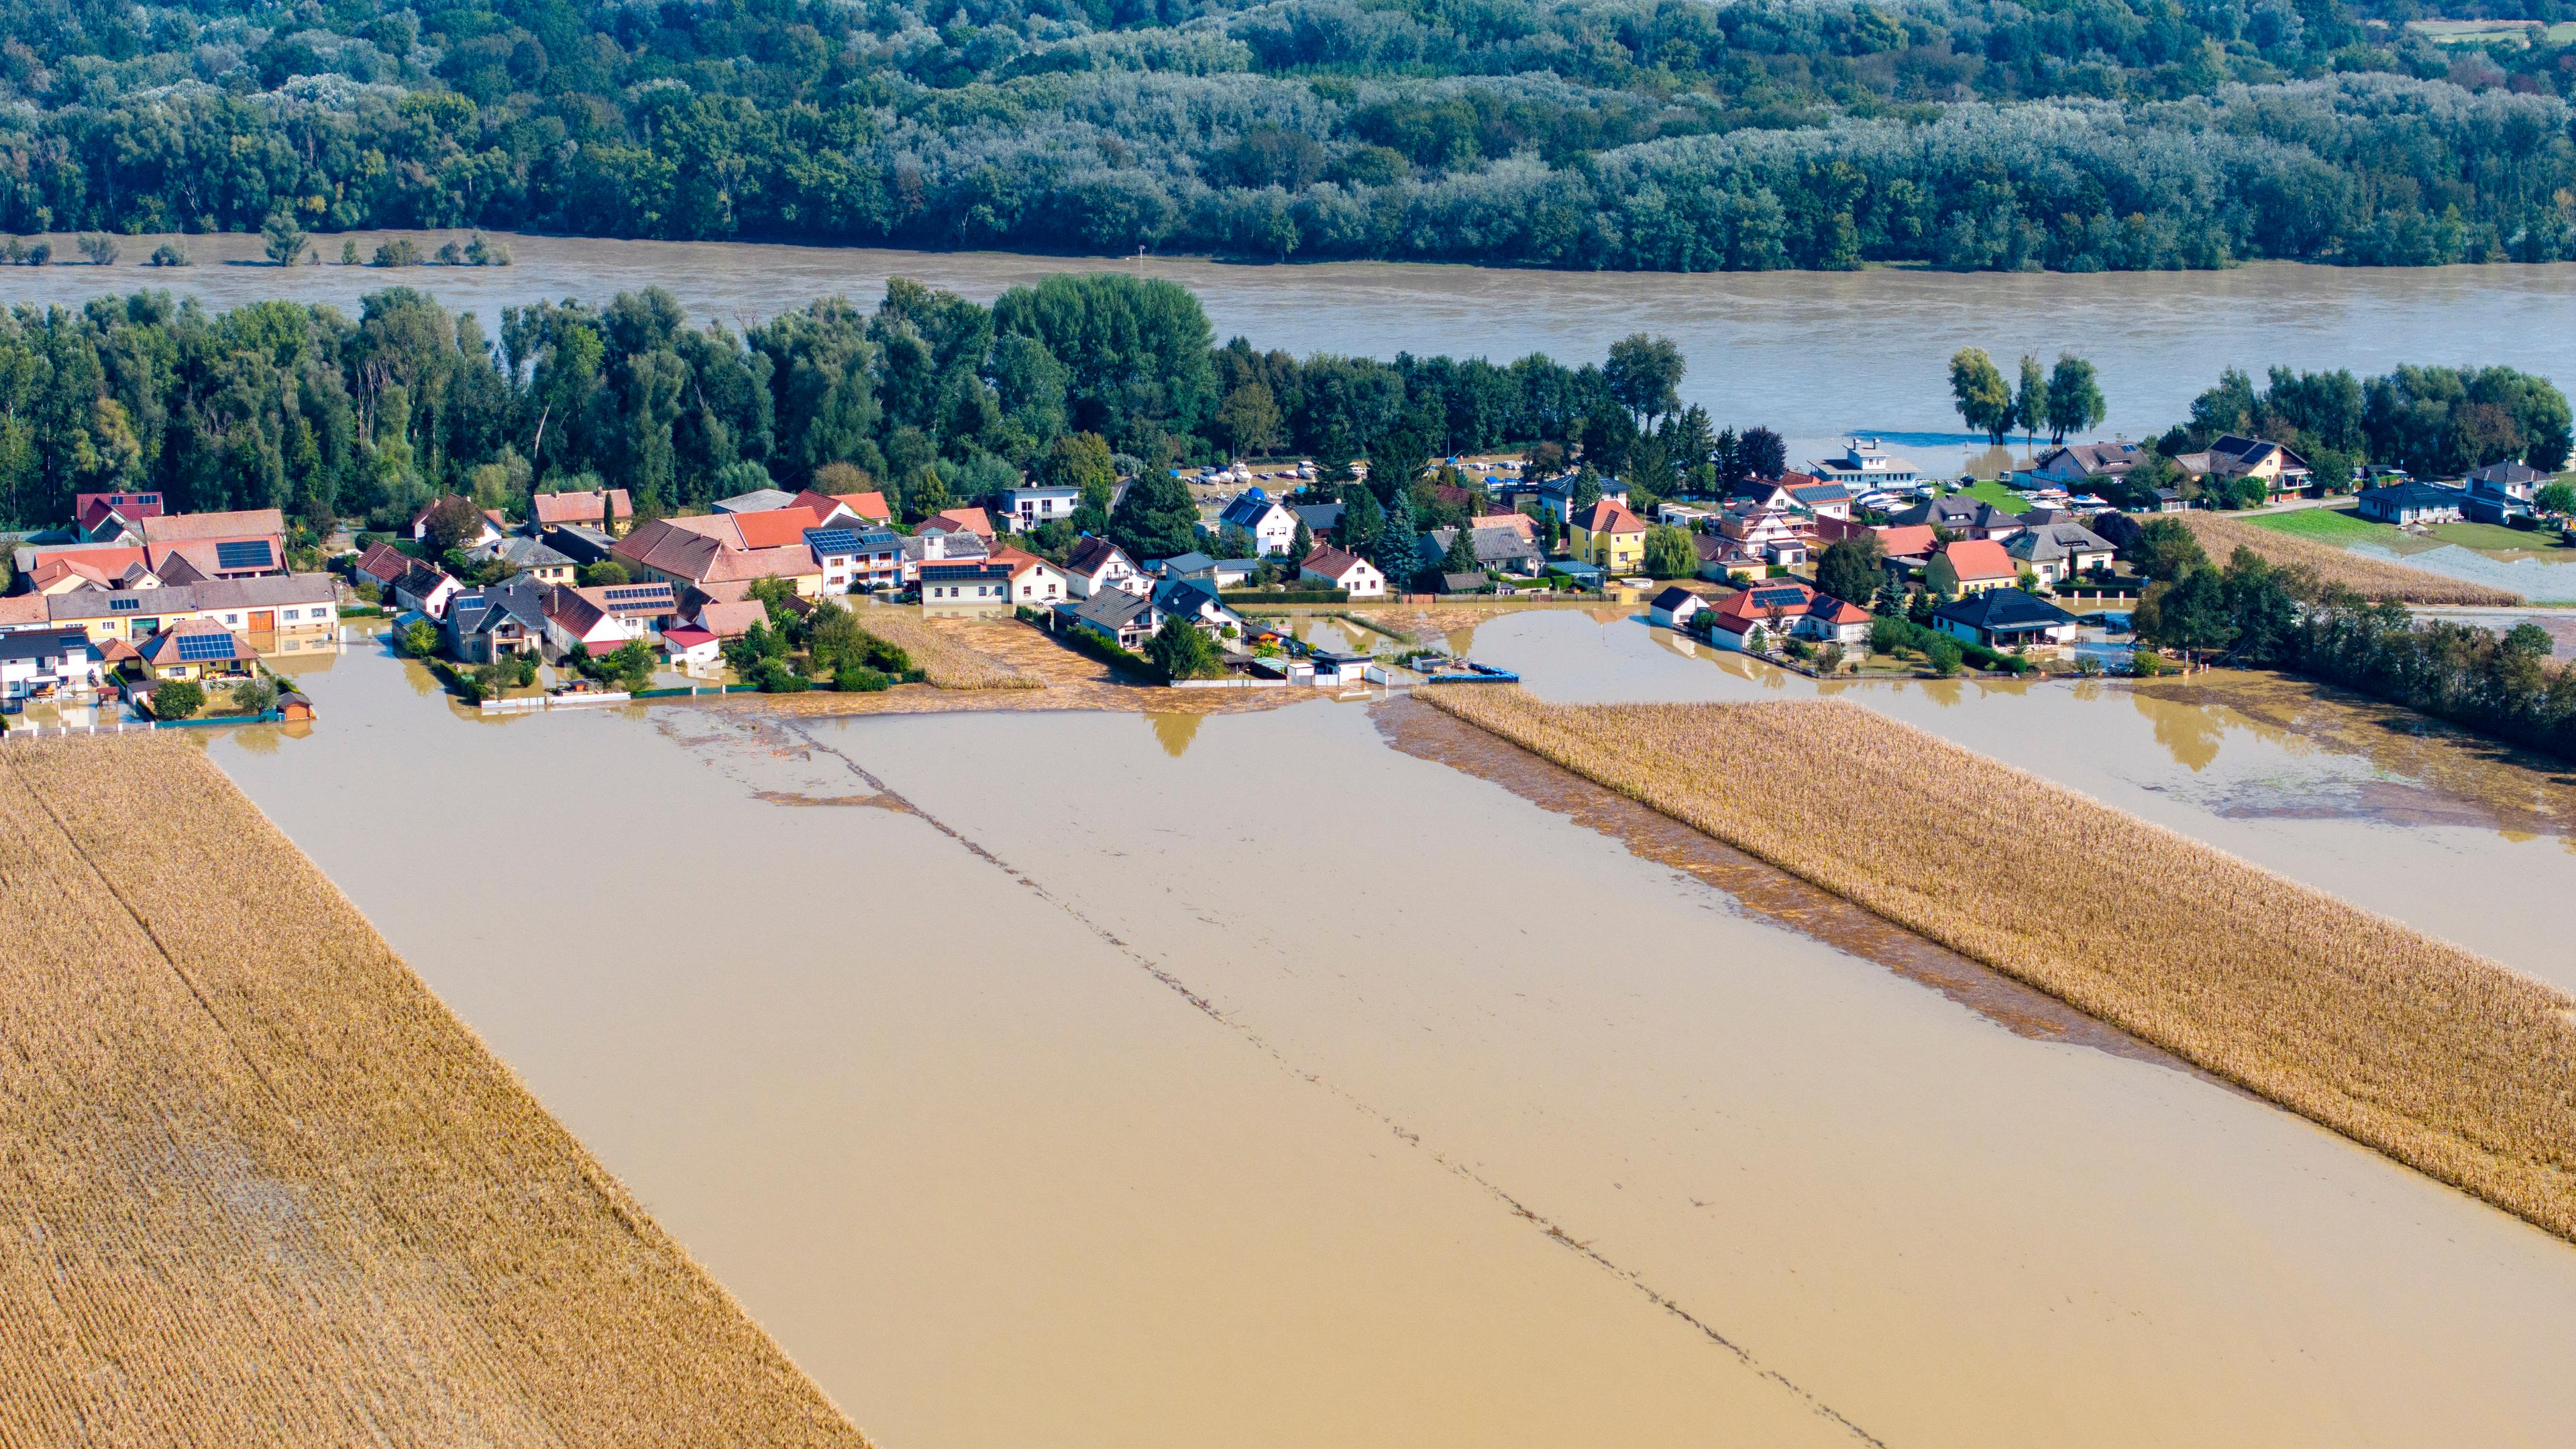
(959, 520)
(1122, 618)
(2500, 492)
(1033, 503)
(1198, 603)
(1033, 581)
(1821, 500)
(1964, 516)
(113, 516)
(2056, 552)
(1501, 550)
(1761, 616)
(2077, 464)
(691, 648)
(380, 564)
(1096, 566)
(196, 650)
(607, 510)
(491, 531)
(267, 606)
(1609, 536)
(604, 619)
(44, 661)
(238, 544)
(1674, 607)
(1272, 526)
(1333, 568)
(2231, 457)
(579, 542)
(425, 587)
(1727, 560)
(729, 620)
(1222, 573)
(1321, 518)
(722, 556)
(1771, 534)
(2004, 618)
(969, 587)
(1864, 466)
(531, 557)
(2406, 504)
(1969, 566)
(502, 620)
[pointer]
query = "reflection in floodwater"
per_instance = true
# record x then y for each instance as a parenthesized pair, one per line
(1175, 731)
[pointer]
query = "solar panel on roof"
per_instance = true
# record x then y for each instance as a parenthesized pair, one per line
(119, 606)
(639, 591)
(251, 554)
(202, 647)
(832, 540)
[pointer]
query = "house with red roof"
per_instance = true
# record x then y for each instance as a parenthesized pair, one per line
(1971, 566)
(1609, 536)
(1348, 571)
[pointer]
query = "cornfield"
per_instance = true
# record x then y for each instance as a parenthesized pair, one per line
(258, 1186)
(2436, 1056)
(2371, 578)
(942, 657)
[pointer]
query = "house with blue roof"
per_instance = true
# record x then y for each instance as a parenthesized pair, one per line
(1272, 526)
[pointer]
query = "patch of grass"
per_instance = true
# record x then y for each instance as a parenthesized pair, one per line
(2220, 536)
(2338, 526)
(2495, 537)
(1987, 490)
(2432, 1054)
(264, 1188)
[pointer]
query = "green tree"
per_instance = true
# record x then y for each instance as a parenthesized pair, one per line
(1984, 402)
(1944, 655)
(1361, 519)
(1156, 519)
(1644, 375)
(1183, 650)
(453, 523)
(1397, 551)
(2075, 402)
(419, 639)
(1298, 547)
(177, 699)
(1586, 491)
(1249, 418)
(2165, 550)
(1669, 554)
(1852, 569)
(99, 248)
(2030, 399)
(2557, 497)
(284, 240)
(1461, 555)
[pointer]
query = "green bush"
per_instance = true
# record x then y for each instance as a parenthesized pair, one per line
(177, 699)
(774, 677)
(1109, 653)
(860, 679)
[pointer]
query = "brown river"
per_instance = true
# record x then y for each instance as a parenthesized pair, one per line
(1812, 355)
(1299, 1077)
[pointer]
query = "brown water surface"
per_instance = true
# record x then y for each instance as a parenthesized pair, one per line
(1809, 354)
(1086, 1080)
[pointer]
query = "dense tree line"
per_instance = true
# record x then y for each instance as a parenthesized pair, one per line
(1974, 134)
(930, 396)
(2252, 613)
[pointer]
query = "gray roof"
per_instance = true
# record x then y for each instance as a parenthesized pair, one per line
(521, 552)
(582, 542)
(2412, 496)
(1492, 546)
(1182, 564)
(758, 500)
(1319, 518)
(1113, 608)
(2004, 609)
(2050, 542)
(476, 610)
(261, 592)
(1246, 511)
(39, 643)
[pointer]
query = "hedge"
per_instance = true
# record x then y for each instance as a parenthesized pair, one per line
(1114, 656)
(1284, 596)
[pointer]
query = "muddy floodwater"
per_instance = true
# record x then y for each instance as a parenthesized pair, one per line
(1809, 354)
(1311, 1076)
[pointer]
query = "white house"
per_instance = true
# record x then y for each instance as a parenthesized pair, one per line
(1031, 504)
(691, 647)
(1863, 464)
(1674, 607)
(31, 659)
(1098, 566)
(1034, 581)
(1272, 526)
(1331, 566)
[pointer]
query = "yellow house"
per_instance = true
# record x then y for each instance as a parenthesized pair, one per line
(1971, 566)
(1608, 535)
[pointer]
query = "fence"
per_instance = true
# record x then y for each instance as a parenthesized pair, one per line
(118, 727)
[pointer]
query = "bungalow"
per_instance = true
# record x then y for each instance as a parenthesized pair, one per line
(1674, 607)
(691, 647)
(530, 557)
(1272, 526)
(1967, 517)
(2411, 503)
(1224, 573)
(1501, 550)
(1970, 566)
(196, 650)
(1122, 618)
(1098, 566)
(1336, 569)
(1834, 621)
(508, 618)
(607, 510)
(425, 587)
(1033, 503)
(34, 661)
(965, 587)
(2003, 618)
(2055, 552)
(730, 619)
(1609, 535)
(1034, 581)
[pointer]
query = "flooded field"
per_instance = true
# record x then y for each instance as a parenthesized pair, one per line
(1301, 1076)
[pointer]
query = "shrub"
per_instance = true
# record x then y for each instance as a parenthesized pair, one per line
(178, 699)
(860, 679)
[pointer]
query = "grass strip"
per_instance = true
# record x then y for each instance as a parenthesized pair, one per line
(264, 1188)
(2432, 1054)
(2372, 578)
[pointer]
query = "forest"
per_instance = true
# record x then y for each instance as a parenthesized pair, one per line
(1638, 134)
(930, 396)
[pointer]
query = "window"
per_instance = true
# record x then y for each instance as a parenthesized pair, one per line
(294, 614)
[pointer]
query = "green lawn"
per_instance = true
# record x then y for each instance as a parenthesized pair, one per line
(1989, 491)
(2495, 536)
(2337, 526)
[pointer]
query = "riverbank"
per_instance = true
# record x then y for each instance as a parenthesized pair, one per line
(266, 1189)
(2429, 1053)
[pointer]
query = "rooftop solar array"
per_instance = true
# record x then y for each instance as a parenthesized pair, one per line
(205, 646)
(638, 593)
(120, 606)
(832, 540)
(250, 554)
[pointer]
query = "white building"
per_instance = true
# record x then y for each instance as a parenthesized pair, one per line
(1031, 504)
(1863, 464)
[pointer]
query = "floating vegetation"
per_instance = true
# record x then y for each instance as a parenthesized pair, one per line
(2430, 1053)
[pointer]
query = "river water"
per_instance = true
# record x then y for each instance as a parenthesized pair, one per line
(1812, 355)
(1105, 1079)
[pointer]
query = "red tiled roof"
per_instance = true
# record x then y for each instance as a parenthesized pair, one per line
(1607, 516)
(973, 520)
(869, 505)
(210, 527)
(776, 528)
(1980, 558)
(582, 507)
(1907, 538)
